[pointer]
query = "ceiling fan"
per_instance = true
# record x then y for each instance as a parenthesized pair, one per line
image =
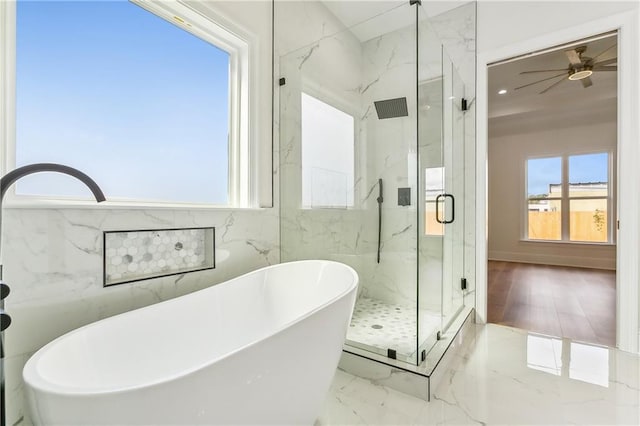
(580, 68)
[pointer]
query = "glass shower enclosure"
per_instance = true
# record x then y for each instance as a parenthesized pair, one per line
(371, 163)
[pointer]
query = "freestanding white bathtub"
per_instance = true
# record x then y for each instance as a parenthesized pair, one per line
(258, 349)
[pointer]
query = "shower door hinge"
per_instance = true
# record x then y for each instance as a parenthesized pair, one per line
(391, 353)
(464, 105)
(439, 335)
(412, 2)
(463, 283)
(423, 355)
(282, 81)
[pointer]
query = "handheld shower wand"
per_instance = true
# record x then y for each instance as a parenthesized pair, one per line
(380, 199)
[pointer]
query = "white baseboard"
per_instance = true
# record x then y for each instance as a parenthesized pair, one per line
(547, 259)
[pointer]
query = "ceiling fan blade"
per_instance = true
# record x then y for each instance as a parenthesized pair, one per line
(530, 72)
(540, 81)
(552, 86)
(609, 68)
(573, 56)
(606, 62)
(586, 82)
(603, 52)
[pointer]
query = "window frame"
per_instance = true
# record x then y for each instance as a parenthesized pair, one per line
(223, 34)
(565, 198)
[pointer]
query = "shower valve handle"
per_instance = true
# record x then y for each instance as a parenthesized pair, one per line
(4, 290)
(380, 199)
(5, 320)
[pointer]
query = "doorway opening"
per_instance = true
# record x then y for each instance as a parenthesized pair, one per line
(552, 190)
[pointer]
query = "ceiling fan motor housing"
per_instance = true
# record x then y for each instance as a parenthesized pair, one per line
(580, 68)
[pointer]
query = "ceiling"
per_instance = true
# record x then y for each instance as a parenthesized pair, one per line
(368, 19)
(566, 102)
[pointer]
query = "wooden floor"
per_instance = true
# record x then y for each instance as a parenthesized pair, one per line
(561, 301)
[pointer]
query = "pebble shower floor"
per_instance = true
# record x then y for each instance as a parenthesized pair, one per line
(387, 326)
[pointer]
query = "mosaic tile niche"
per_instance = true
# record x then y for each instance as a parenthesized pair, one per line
(139, 255)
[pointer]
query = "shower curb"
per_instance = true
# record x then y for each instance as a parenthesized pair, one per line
(420, 381)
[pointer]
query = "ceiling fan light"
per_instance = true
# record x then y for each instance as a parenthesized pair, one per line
(579, 75)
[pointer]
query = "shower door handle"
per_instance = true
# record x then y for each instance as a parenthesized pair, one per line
(440, 196)
(453, 208)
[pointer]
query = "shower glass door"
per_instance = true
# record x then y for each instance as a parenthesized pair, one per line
(348, 159)
(453, 198)
(371, 137)
(432, 176)
(441, 170)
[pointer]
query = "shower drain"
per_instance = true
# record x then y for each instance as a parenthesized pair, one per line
(376, 326)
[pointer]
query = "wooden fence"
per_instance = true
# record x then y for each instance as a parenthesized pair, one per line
(584, 226)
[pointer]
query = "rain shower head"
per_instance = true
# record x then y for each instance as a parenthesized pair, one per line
(392, 108)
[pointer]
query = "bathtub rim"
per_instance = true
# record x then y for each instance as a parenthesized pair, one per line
(33, 380)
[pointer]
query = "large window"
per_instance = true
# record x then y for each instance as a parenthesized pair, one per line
(146, 102)
(568, 198)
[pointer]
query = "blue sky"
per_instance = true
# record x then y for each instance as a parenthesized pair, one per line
(132, 100)
(582, 168)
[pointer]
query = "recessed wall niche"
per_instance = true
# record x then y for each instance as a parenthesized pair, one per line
(135, 255)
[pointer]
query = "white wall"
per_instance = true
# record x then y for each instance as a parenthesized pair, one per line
(507, 158)
(53, 256)
(502, 23)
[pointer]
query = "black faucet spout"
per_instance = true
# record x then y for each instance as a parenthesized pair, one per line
(16, 174)
(6, 181)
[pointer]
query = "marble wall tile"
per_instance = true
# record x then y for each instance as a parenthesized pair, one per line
(456, 29)
(331, 61)
(303, 23)
(389, 72)
(325, 62)
(53, 262)
(386, 375)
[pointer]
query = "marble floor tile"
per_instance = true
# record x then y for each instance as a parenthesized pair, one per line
(504, 376)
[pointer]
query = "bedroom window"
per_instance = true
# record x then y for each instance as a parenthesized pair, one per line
(569, 198)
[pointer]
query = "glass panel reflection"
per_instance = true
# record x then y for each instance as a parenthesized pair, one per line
(544, 354)
(562, 357)
(434, 186)
(589, 364)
